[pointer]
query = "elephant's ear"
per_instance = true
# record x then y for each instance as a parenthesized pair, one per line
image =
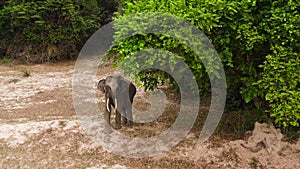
(101, 84)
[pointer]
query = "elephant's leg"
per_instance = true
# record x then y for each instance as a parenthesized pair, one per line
(107, 115)
(107, 110)
(129, 116)
(118, 116)
(124, 120)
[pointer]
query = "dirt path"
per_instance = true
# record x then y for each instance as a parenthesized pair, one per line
(38, 129)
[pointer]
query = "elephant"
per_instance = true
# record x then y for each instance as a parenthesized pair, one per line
(119, 93)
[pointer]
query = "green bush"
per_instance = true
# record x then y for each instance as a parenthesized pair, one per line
(48, 30)
(279, 81)
(257, 40)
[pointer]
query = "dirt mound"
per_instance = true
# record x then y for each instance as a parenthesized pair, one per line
(265, 148)
(266, 137)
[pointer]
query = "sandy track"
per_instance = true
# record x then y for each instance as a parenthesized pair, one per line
(38, 129)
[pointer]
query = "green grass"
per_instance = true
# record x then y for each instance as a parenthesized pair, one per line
(234, 124)
(26, 73)
(254, 162)
(6, 60)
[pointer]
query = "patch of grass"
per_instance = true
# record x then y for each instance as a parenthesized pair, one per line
(6, 60)
(235, 124)
(292, 134)
(26, 73)
(254, 162)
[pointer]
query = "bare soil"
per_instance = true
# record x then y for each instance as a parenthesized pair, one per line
(39, 129)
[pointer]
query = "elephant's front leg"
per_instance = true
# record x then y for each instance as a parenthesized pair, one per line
(118, 116)
(107, 115)
(107, 110)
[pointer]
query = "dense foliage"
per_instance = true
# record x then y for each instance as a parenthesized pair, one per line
(257, 40)
(49, 30)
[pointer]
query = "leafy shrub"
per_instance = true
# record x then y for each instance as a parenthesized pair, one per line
(256, 40)
(279, 81)
(47, 30)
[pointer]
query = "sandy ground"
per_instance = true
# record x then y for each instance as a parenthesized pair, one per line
(39, 129)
